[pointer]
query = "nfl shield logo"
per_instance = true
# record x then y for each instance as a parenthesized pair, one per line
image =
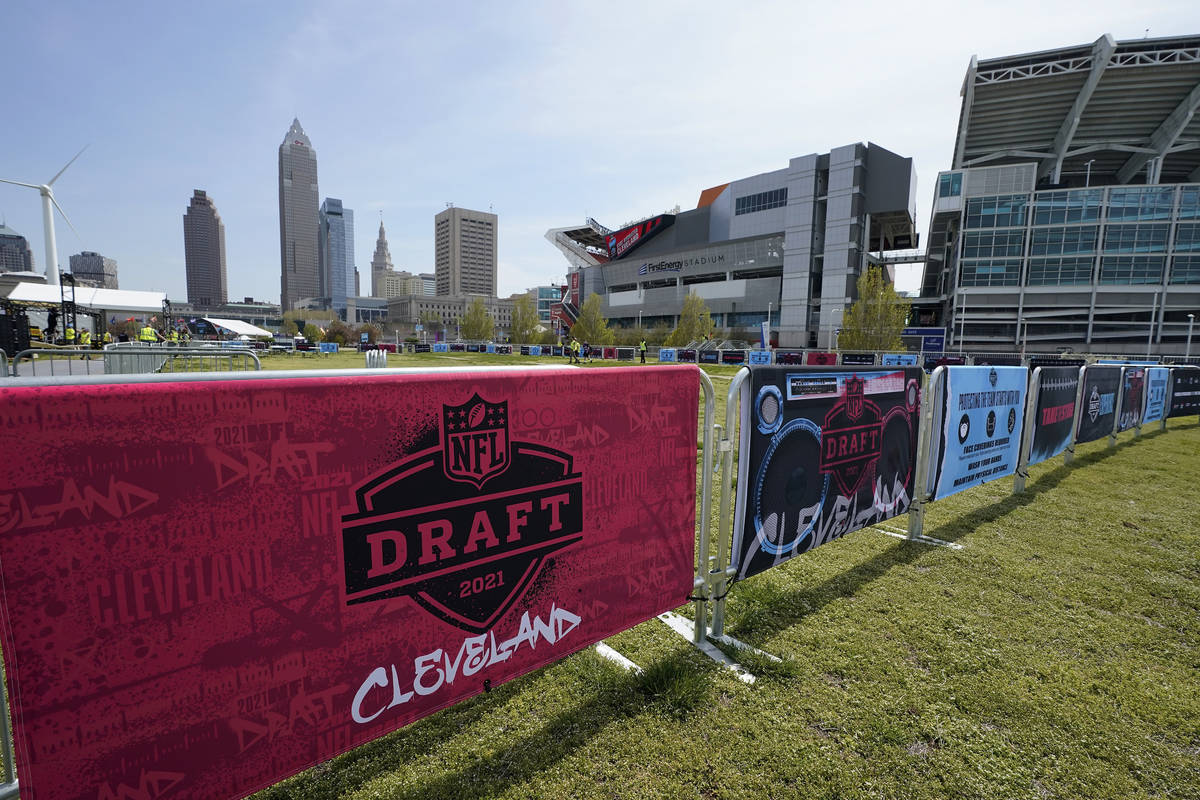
(854, 397)
(475, 440)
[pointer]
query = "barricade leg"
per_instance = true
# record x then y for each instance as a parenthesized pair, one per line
(930, 395)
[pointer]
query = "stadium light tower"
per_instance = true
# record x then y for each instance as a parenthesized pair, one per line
(47, 192)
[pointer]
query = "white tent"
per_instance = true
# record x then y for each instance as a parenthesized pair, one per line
(90, 298)
(237, 327)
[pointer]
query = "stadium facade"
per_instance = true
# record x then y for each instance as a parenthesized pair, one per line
(787, 245)
(1071, 215)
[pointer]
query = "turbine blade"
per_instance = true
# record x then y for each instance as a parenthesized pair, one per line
(64, 169)
(64, 215)
(18, 183)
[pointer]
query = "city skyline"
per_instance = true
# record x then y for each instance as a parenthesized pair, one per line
(542, 160)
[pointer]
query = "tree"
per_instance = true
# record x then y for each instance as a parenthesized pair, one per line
(477, 324)
(591, 326)
(311, 332)
(373, 332)
(432, 322)
(288, 328)
(524, 320)
(695, 322)
(876, 319)
(339, 332)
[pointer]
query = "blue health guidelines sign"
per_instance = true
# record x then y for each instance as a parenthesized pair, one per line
(980, 437)
(441, 347)
(1157, 380)
(666, 354)
(899, 359)
(759, 357)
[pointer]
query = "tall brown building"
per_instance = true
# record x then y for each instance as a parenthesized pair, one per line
(299, 219)
(204, 253)
(465, 252)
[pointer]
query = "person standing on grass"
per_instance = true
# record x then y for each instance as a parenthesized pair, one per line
(642, 349)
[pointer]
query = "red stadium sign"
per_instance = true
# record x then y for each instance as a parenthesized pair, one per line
(624, 241)
(209, 586)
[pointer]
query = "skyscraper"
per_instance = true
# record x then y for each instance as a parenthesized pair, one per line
(93, 269)
(300, 268)
(15, 255)
(465, 252)
(381, 265)
(203, 253)
(336, 242)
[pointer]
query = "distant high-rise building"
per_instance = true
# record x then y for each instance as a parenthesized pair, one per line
(15, 255)
(465, 252)
(300, 268)
(93, 269)
(385, 281)
(428, 283)
(335, 239)
(204, 253)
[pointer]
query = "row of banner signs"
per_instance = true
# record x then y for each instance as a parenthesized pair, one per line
(209, 585)
(828, 451)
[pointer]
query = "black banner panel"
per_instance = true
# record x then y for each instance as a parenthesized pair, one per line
(1057, 387)
(1097, 407)
(1185, 392)
(824, 451)
(1131, 398)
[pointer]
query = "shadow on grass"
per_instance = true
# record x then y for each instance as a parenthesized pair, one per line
(674, 687)
(814, 598)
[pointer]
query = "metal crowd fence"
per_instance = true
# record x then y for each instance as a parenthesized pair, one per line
(143, 360)
(726, 440)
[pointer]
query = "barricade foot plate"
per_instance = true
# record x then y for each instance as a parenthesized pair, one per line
(919, 538)
(740, 645)
(684, 627)
(606, 652)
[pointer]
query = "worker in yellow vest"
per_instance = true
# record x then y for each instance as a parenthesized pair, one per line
(107, 339)
(174, 336)
(85, 342)
(148, 334)
(69, 336)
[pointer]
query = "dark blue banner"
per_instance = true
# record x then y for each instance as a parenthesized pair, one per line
(1098, 405)
(1055, 414)
(824, 451)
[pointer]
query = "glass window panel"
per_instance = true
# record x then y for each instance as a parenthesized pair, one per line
(1189, 202)
(991, 272)
(1141, 202)
(1187, 237)
(1132, 269)
(1060, 270)
(1185, 269)
(1136, 238)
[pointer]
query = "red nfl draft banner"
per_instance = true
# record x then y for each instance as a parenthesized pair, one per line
(209, 586)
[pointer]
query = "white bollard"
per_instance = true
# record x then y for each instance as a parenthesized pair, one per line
(376, 359)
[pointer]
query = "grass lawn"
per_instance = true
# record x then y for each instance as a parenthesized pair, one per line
(1056, 656)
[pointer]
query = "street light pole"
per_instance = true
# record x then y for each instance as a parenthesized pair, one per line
(1188, 353)
(1024, 335)
(1087, 181)
(1150, 336)
(768, 342)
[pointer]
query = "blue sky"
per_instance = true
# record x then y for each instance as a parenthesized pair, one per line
(546, 112)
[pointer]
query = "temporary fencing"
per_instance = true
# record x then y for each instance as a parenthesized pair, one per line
(244, 549)
(263, 573)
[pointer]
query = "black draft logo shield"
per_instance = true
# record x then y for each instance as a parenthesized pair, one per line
(425, 528)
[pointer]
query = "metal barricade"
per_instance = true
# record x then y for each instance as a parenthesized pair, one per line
(143, 360)
(44, 361)
(4, 364)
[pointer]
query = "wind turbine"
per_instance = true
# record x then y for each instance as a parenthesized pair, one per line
(48, 218)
